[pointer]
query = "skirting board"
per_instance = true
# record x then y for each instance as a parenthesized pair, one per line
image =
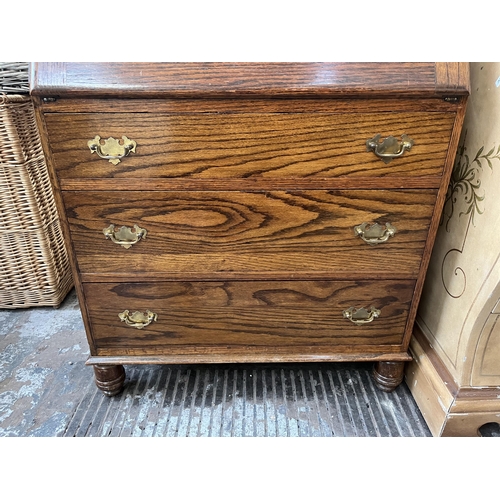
(448, 409)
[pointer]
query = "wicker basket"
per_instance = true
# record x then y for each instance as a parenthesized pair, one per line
(14, 78)
(34, 266)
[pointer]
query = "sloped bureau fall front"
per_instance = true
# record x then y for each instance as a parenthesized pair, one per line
(230, 212)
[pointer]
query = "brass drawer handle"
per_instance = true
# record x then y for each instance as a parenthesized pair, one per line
(390, 147)
(138, 319)
(125, 237)
(361, 316)
(112, 150)
(375, 233)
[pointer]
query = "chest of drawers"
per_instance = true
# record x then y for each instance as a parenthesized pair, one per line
(223, 212)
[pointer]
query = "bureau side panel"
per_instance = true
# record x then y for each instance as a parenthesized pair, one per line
(40, 118)
(434, 223)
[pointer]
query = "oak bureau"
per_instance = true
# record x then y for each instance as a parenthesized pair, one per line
(249, 212)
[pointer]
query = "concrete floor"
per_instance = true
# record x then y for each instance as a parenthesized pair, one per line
(46, 390)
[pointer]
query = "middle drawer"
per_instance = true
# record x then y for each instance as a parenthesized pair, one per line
(289, 233)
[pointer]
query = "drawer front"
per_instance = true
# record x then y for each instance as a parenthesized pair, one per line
(245, 314)
(236, 145)
(198, 233)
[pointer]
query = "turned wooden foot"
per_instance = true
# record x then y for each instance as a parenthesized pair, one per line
(109, 378)
(388, 374)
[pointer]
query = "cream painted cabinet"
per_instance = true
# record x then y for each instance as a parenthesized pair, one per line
(455, 374)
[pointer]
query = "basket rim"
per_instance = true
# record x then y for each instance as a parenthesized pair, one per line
(13, 98)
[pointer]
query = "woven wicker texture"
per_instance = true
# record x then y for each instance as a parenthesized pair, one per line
(34, 266)
(14, 78)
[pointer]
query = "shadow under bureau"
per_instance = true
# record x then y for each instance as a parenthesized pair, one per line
(249, 212)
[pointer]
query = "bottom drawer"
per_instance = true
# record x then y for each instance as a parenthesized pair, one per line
(245, 314)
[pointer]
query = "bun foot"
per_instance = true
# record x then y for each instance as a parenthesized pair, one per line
(109, 378)
(388, 374)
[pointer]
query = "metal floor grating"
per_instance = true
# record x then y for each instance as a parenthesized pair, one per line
(248, 400)
(47, 390)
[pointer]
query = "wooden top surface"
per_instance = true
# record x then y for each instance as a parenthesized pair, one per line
(68, 79)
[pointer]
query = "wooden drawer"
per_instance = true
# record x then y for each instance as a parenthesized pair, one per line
(202, 233)
(244, 145)
(253, 314)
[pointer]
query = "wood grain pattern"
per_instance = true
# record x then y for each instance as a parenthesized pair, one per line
(63, 220)
(54, 78)
(249, 178)
(434, 223)
(263, 313)
(251, 184)
(206, 233)
(236, 79)
(247, 354)
(268, 146)
(452, 77)
(248, 105)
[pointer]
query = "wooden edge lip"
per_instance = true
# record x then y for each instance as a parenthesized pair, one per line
(272, 79)
(478, 394)
(453, 78)
(127, 276)
(429, 182)
(243, 358)
(460, 394)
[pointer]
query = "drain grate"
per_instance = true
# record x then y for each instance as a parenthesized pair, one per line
(285, 400)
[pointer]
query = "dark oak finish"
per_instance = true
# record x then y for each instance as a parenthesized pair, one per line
(269, 146)
(332, 79)
(311, 105)
(252, 184)
(109, 378)
(249, 178)
(388, 374)
(221, 354)
(199, 233)
(450, 158)
(452, 77)
(200, 314)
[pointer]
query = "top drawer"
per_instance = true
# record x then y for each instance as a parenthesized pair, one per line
(249, 145)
